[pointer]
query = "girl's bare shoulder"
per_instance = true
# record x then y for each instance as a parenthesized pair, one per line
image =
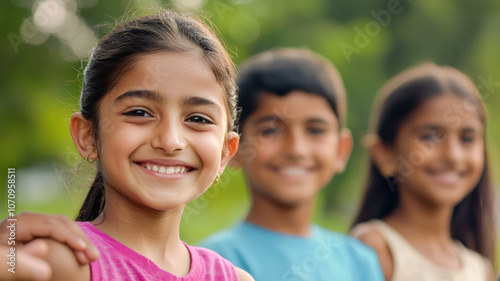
(243, 275)
(369, 235)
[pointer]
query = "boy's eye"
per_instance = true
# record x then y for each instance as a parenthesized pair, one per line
(316, 131)
(137, 112)
(269, 131)
(199, 119)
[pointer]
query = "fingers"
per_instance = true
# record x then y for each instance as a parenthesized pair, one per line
(28, 263)
(32, 268)
(36, 248)
(60, 228)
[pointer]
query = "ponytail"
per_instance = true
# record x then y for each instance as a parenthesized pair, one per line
(94, 202)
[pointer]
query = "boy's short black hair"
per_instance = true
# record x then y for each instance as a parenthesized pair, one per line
(283, 70)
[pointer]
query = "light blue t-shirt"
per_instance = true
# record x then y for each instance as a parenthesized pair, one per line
(272, 256)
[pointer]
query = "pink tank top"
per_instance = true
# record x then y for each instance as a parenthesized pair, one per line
(118, 262)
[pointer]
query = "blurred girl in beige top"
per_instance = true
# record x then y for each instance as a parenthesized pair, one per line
(429, 185)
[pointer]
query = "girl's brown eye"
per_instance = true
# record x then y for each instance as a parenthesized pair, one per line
(199, 119)
(468, 138)
(137, 112)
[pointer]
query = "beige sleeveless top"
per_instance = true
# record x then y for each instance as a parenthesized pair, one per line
(411, 265)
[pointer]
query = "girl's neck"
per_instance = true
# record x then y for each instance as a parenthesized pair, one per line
(420, 219)
(285, 219)
(427, 228)
(151, 233)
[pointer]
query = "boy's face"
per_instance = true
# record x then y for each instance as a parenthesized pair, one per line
(291, 148)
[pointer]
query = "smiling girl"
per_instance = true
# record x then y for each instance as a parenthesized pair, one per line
(427, 209)
(157, 112)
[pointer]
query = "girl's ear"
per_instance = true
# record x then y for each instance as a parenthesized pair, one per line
(344, 150)
(229, 150)
(236, 161)
(383, 156)
(81, 132)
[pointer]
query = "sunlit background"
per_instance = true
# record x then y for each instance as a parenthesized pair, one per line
(45, 45)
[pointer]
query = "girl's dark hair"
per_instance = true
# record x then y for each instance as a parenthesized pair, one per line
(472, 220)
(116, 53)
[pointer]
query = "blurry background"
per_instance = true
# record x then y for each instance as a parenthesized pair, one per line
(45, 44)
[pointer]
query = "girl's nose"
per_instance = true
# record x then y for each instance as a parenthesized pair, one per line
(453, 150)
(169, 137)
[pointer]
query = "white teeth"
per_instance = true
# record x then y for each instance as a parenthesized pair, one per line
(166, 170)
(447, 177)
(293, 171)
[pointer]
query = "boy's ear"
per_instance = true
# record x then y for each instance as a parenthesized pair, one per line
(81, 132)
(344, 150)
(229, 150)
(383, 156)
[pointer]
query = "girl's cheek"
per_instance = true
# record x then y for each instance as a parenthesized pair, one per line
(211, 146)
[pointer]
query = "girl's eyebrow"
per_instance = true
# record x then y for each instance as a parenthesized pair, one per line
(428, 127)
(473, 130)
(194, 100)
(156, 97)
(144, 94)
(432, 127)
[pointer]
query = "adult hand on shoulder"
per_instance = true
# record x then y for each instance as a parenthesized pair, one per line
(57, 227)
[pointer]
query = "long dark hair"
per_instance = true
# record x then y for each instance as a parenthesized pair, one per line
(472, 221)
(115, 54)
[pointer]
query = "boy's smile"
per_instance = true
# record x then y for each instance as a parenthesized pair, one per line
(290, 148)
(293, 172)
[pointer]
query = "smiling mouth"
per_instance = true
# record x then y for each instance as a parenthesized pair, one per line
(167, 170)
(292, 171)
(447, 177)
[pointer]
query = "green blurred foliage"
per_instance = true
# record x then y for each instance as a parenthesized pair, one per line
(40, 88)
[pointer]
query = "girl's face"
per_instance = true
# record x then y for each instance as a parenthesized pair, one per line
(162, 130)
(439, 150)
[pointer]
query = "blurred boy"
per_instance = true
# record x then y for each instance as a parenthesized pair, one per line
(293, 142)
